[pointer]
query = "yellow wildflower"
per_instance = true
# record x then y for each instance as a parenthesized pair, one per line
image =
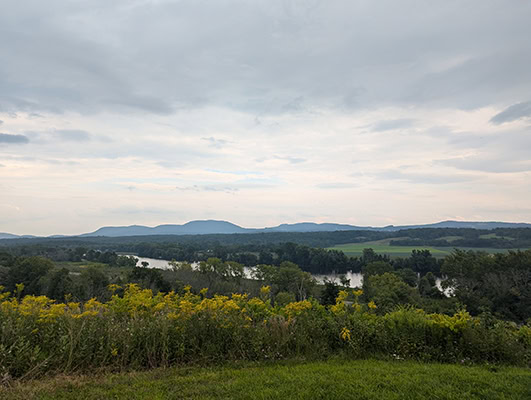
(265, 290)
(345, 334)
(113, 287)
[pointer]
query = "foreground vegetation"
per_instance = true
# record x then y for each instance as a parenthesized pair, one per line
(136, 330)
(332, 379)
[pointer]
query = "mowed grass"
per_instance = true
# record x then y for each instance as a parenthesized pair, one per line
(333, 379)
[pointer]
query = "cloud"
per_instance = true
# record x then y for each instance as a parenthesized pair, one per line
(486, 163)
(289, 159)
(264, 58)
(209, 188)
(512, 113)
(210, 96)
(392, 124)
(424, 178)
(217, 143)
(336, 185)
(13, 139)
(73, 135)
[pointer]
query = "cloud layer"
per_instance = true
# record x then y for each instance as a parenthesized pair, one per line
(262, 112)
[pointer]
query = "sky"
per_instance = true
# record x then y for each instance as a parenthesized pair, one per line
(263, 112)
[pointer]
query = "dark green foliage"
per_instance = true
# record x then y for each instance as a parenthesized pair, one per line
(387, 291)
(29, 272)
(376, 268)
(149, 279)
(500, 283)
(284, 298)
(409, 276)
(60, 284)
(92, 283)
(329, 293)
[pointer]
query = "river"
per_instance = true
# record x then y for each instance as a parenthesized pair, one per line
(356, 278)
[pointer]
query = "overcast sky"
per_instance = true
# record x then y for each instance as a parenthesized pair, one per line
(263, 112)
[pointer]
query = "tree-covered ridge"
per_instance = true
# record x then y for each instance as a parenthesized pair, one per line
(508, 238)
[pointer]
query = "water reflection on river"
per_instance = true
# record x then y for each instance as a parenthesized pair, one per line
(355, 278)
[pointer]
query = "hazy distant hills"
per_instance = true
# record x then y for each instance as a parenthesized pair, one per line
(190, 228)
(225, 227)
(4, 235)
(213, 227)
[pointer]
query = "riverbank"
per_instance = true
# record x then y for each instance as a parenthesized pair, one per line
(332, 379)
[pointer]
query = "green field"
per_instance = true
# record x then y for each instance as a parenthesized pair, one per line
(356, 249)
(334, 379)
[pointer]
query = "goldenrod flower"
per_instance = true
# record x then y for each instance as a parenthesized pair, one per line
(345, 334)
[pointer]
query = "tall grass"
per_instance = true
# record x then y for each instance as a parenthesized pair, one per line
(139, 329)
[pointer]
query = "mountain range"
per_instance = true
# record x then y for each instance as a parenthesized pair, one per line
(225, 227)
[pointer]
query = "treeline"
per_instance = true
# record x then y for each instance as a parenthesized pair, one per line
(309, 259)
(499, 285)
(38, 275)
(500, 238)
(444, 237)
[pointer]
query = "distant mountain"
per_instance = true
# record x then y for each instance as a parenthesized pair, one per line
(216, 227)
(8, 236)
(224, 227)
(459, 224)
(190, 228)
(4, 235)
(313, 227)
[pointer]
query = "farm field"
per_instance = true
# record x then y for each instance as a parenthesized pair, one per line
(356, 249)
(333, 379)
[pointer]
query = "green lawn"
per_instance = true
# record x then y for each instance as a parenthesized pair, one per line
(334, 379)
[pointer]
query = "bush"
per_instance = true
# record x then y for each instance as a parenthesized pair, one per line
(140, 330)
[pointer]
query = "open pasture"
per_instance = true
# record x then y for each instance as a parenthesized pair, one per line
(356, 249)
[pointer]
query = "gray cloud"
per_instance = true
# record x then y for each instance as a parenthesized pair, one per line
(263, 57)
(392, 124)
(13, 139)
(74, 135)
(513, 113)
(298, 85)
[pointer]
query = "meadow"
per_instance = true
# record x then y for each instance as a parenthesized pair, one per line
(333, 379)
(381, 247)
